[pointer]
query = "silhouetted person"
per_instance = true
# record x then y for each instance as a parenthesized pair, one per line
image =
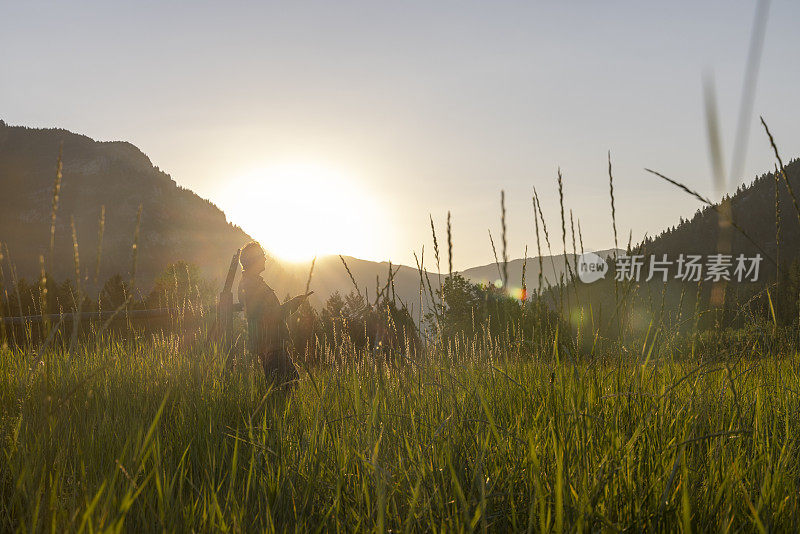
(266, 317)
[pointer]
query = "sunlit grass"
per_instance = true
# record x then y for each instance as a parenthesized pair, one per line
(145, 437)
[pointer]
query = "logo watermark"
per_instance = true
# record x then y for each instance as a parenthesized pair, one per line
(591, 267)
(686, 267)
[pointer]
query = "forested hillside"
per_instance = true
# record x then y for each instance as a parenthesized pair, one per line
(105, 181)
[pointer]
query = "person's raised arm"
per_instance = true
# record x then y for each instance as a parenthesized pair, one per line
(292, 305)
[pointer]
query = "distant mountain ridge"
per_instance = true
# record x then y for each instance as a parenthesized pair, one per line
(553, 267)
(176, 224)
(754, 213)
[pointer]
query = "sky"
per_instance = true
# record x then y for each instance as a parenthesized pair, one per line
(339, 127)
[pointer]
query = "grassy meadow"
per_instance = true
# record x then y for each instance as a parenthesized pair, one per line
(550, 400)
(150, 436)
(538, 414)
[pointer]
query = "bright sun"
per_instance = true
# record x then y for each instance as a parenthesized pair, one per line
(299, 211)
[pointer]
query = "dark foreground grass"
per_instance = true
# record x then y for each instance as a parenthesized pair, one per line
(147, 438)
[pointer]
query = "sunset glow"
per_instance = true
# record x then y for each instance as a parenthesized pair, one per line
(298, 211)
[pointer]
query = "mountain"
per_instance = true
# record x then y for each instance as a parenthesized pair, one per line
(175, 224)
(330, 276)
(642, 304)
(553, 267)
(753, 209)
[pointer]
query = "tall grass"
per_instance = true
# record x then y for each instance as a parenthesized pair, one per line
(657, 431)
(546, 422)
(144, 437)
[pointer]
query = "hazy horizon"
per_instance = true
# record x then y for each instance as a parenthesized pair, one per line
(395, 112)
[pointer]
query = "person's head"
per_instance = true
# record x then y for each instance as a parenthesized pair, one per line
(253, 258)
